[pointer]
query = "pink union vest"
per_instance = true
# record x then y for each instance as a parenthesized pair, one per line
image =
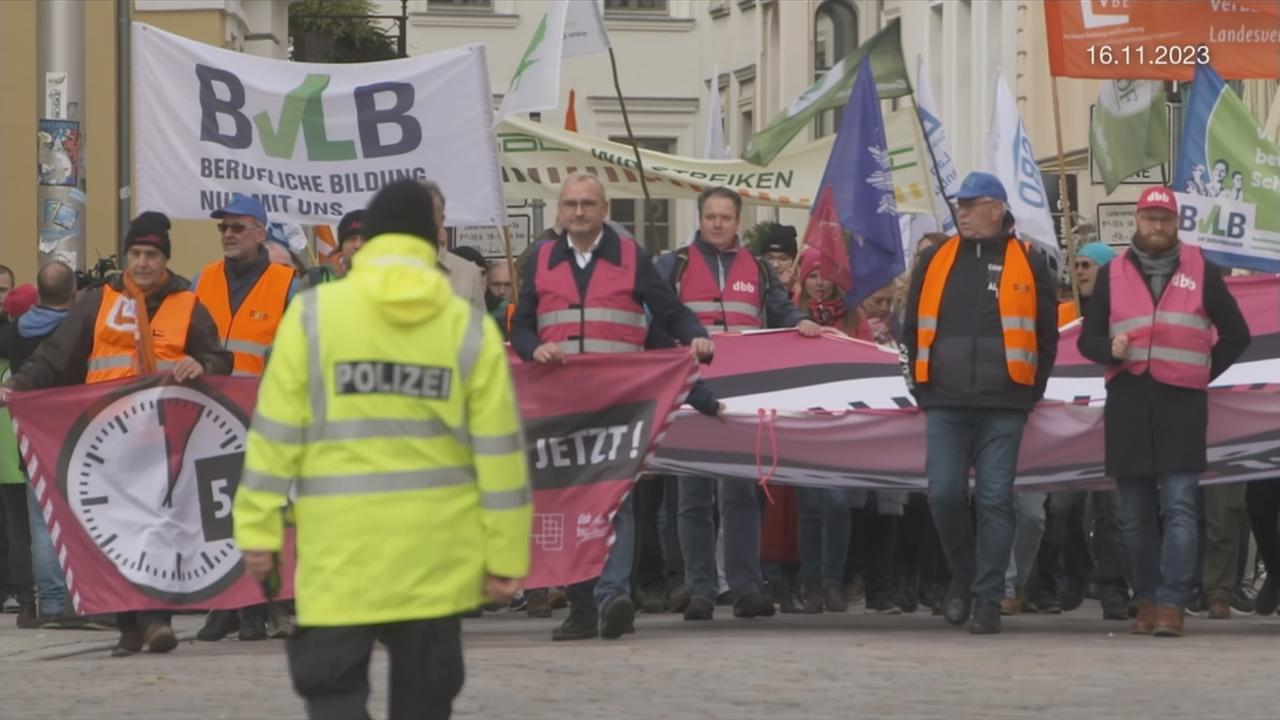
(607, 320)
(1172, 339)
(738, 307)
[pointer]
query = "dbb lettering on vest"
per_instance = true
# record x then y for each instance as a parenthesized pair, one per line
(373, 377)
(1182, 281)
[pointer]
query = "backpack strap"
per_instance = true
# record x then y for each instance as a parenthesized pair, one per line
(677, 271)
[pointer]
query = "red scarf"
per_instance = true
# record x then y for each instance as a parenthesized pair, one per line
(828, 313)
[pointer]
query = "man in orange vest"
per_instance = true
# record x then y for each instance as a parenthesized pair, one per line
(246, 293)
(981, 334)
(1164, 324)
(105, 338)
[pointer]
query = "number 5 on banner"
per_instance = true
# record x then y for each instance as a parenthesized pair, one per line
(217, 478)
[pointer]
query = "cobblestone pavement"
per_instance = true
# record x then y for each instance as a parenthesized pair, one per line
(830, 666)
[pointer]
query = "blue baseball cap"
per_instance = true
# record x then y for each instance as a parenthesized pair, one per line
(242, 205)
(979, 185)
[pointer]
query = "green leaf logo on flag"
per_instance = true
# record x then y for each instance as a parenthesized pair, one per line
(526, 62)
(1130, 129)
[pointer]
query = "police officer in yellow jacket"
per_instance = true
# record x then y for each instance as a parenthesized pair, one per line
(387, 407)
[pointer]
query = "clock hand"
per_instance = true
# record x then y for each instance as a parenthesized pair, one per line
(178, 418)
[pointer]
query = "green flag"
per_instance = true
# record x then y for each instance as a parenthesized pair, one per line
(831, 92)
(1130, 129)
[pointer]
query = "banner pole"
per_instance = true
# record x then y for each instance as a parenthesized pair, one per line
(1067, 229)
(933, 160)
(511, 263)
(626, 120)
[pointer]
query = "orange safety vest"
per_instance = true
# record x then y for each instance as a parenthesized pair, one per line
(1067, 312)
(249, 334)
(115, 339)
(1017, 310)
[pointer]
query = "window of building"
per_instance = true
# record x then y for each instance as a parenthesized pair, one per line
(648, 222)
(635, 7)
(465, 5)
(835, 35)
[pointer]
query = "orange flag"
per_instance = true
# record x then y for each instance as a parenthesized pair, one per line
(571, 117)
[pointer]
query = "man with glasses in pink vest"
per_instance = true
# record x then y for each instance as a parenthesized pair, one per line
(1152, 321)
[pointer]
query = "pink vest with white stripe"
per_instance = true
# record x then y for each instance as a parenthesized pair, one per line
(1171, 339)
(735, 308)
(607, 320)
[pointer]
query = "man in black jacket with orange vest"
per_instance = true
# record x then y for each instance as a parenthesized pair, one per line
(981, 333)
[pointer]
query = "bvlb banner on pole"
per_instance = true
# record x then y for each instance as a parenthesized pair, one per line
(311, 141)
(135, 479)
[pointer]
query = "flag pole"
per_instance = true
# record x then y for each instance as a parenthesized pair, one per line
(933, 160)
(511, 262)
(1067, 229)
(626, 120)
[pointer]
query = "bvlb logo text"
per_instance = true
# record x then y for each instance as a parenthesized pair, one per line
(223, 118)
(1218, 222)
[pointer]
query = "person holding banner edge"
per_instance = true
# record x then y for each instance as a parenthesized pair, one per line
(104, 338)
(1152, 321)
(981, 335)
(591, 290)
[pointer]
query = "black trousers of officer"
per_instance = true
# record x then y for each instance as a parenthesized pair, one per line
(330, 668)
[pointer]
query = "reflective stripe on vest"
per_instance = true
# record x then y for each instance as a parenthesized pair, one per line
(733, 308)
(324, 429)
(249, 333)
(1017, 302)
(1172, 339)
(607, 320)
(115, 341)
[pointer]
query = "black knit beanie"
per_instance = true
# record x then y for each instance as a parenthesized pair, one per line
(149, 228)
(403, 207)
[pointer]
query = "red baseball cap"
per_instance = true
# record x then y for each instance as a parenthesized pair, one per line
(19, 300)
(1158, 197)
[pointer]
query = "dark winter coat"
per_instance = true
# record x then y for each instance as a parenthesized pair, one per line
(1151, 427)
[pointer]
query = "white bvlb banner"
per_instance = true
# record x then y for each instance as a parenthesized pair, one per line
(310, 141)
(1010, 157)
(936, 136)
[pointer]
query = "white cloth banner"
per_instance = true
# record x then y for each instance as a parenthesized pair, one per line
(584, 32)
(310, 141)
(1009, 157)
(714, 147)
(936, 136)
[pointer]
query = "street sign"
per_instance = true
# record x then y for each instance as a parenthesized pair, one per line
(488, 240)
(1116, 223)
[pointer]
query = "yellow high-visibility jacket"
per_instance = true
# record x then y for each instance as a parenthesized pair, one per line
(387, 406)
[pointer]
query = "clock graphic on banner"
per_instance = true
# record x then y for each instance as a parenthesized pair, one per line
(150, 477)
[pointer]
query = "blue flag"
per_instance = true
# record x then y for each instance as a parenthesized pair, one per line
(859, 183)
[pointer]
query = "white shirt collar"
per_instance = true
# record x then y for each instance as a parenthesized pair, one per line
(584, 258)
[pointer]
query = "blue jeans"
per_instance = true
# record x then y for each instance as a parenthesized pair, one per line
(615, 577)
(740, 517)
(987, 441)
(1164, 568)
(825, 522)
(51, 588)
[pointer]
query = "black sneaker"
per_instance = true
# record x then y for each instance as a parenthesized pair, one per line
(1115, 610)
(700, 609)
(253, 623)
(218, 625)
(678, 598)
(1267, 599)
(958, 603)
(652, 599)
(780, 590)
(986, 618)
(1072, 596)
(1045, 606)
(616, 617)
(811, 594)
(1242, 604)
(753, 605)
(28, 618)
(578, 626)
(834, 599)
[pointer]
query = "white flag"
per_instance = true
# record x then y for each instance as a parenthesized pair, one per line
(569, 28)
(1273, 120)
(714, 148)
(936, 136)
(1009, 157)
(536, 84)
(584, 32)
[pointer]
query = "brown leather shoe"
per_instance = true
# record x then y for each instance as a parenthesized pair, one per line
(1168, 621)
(1011, 605)
(159, 638)
(1145, 623)
(538, 603)
(1219, 610)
